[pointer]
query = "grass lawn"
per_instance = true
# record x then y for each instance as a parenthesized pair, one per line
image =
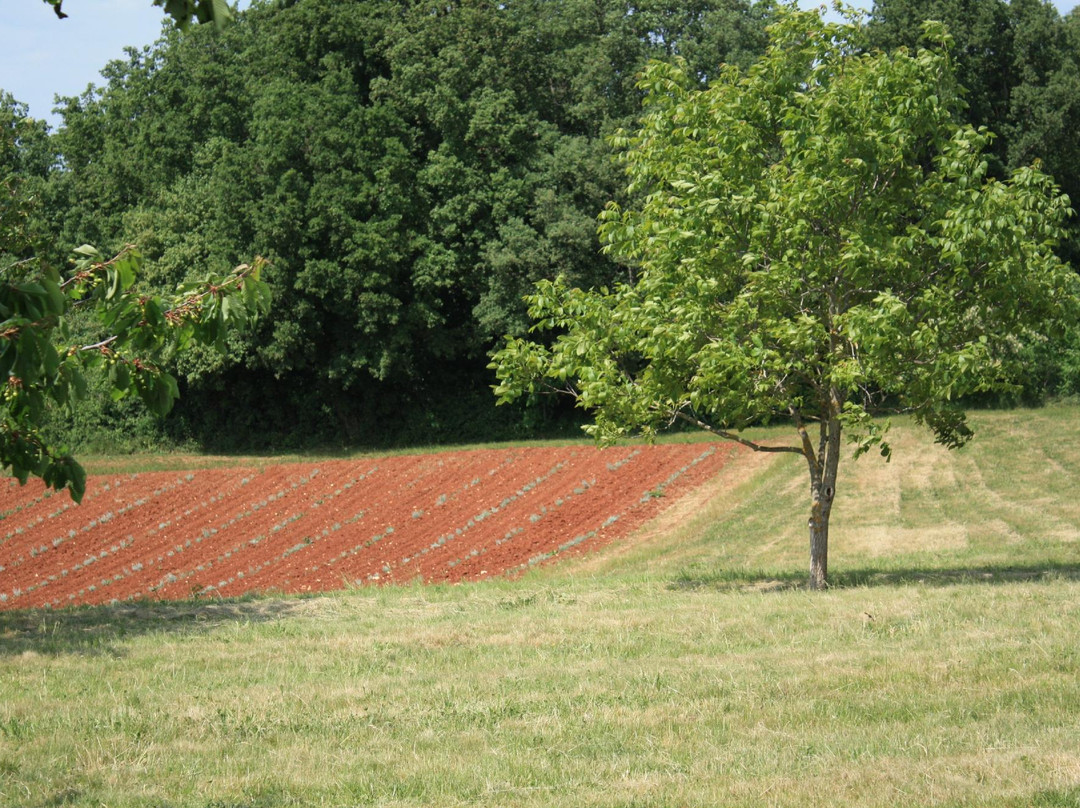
(685, 669)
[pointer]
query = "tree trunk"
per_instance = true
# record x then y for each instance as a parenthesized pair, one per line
(823, 468)
(819, 544)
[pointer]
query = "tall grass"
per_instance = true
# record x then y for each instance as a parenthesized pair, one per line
(686, 670)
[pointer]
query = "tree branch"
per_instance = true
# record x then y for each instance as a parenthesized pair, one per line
(757, 447)
(105, 343)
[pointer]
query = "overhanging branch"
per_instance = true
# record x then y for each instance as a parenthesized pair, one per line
(723, 433)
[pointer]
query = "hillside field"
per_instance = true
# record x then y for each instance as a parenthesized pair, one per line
(679, 664)
(311, 527)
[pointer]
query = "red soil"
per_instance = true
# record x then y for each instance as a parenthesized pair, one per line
(321, 526)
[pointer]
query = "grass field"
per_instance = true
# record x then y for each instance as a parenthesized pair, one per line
(685, 669)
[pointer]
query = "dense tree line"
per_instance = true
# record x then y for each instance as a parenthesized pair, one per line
(1019, 66)
(57, 330)
(411, 168)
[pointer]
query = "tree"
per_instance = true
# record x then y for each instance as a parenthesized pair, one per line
(1019, 66)
(815, 240)
(53, 329)
(182, 11)
(409, 169)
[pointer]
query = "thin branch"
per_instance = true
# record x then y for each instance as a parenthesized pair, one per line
(757, 447)
(800, 427)
(105, 343)
(823, 439)
(14, 264)
(97, 265)
(186, 307)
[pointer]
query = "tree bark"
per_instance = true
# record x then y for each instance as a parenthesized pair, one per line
(819, 544)
(823, 465)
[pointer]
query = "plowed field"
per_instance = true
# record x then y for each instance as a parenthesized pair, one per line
(320, 526)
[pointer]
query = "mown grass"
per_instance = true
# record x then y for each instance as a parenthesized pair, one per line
(686, 670)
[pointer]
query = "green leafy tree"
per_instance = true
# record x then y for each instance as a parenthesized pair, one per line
(53, 330)
(138, 334)
(409, 169)
(1018, 64)
(815, 239)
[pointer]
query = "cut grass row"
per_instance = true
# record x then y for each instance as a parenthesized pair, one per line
(684, 670)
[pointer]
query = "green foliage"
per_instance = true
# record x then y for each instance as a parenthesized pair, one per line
(55, 330)
(409, 169)
(183, 12)
(42, 362)
(815, 239)
(1018, 63)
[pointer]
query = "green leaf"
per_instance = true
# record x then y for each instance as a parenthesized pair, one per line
(119, 380)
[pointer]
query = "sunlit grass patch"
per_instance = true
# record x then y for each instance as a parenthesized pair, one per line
(555, 693)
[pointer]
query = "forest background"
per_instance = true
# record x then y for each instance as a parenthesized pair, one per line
(410, 169)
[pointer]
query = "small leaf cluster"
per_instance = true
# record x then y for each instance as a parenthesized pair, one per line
(45, 352)
(183, 12)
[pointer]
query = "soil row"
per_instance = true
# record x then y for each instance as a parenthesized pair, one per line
(322, 526)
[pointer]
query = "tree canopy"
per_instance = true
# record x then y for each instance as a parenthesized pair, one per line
(53, 329)
(183, 12)
(412, 169)
(1018, 64)
(409, 170)
(815, 239)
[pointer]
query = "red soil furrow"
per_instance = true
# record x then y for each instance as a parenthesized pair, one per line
(172, 550)
(275, 509)
(56, 515)
(306, 527)
(16, 498)
(504, 514)
(117, 513)
(181, 549)
(403, 477)
(553, 513)
(404, 487)
(69, 556)
(15, 494)
(259, 570)
(340, 512)
(617, 503)
(485, 486)
(164, 541)
(21, 498)
(126, 544)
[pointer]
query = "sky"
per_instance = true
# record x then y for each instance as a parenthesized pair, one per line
(44, 56)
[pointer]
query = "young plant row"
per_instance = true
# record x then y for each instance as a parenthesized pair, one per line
(90, 540)
(228, 532)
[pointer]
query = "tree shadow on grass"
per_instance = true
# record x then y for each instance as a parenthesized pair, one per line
(768, 581)
(105, 630)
